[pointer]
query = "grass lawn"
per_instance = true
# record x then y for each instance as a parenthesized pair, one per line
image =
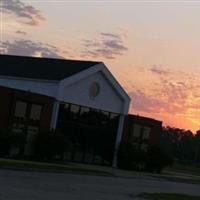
(168, 196)
(186, 168)
(183, 178)
(181, 173)
(47, 167)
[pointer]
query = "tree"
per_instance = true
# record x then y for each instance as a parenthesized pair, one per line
(178, 143)
(197, 147)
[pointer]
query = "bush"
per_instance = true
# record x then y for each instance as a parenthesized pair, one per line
(8, 140)
(157, 160)
(125, 156)
(4, 143)
(139, 160)
(130, 158)
(48, 145)
(154, 160)
(18, 140)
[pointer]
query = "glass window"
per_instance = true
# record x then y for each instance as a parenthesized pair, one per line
(20, 109)
(18, 128)
(104, 116)
(136, 130)
(105, 113)
(74, 108)
(113, 115)
(66, 106)
(35, 112)
(94, 90)
(146, 133)
(32, 129)
(94, 110)
(84, 110)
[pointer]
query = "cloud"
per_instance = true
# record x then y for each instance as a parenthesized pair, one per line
(177, 86)
(107, 45)
(147, 103)
(166, 92)
(115, 36)
(29, 48)
(170, 95)
(158, 70)
(21, 32)
(26, 14)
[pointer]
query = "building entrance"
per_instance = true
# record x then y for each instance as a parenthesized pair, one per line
(92, 133)
(26, 120)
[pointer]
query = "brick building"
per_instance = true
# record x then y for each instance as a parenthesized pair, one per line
(141, 131)
(81, 99)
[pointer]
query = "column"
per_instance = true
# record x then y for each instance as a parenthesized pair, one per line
(118, 139)
(54, 116)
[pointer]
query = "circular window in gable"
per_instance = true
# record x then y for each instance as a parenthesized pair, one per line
(94, 90)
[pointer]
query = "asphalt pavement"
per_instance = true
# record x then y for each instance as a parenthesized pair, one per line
(20, 185)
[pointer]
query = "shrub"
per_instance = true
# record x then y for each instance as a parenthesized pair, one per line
(157, 160)
(154, 160)
(139, 160)
(48, 145)
(18, 140)
(8, 140)
(4, 143)
(125, 156)
(130, 158)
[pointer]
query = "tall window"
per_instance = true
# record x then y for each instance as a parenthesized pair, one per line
(26, 117)
(20, 113)
(113, 115)
(74, 108)
(146, 133)
(35, 112)
(84, 110)
(20, 109)
(136, 130)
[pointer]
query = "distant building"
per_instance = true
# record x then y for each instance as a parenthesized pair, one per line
(81, 99)
(141, 131)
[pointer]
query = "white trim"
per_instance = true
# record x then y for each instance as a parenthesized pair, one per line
(118, 139)
(54, 115)
(97, 68)
(119, 89)
(41, 86)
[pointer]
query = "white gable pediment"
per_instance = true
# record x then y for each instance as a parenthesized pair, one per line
(77, 90)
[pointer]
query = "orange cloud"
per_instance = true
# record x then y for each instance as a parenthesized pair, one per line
(170, 95)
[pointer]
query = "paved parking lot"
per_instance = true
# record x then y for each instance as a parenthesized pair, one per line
(19, 185)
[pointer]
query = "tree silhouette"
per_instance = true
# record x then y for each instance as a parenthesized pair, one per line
(179, 143)
(197, 149)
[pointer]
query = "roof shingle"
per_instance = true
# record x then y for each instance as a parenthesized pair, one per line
(41, 68)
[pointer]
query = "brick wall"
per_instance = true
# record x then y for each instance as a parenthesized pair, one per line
(5, 106)
(154, 125)
(8, 97)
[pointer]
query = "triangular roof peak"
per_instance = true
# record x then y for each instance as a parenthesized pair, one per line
(101, 67)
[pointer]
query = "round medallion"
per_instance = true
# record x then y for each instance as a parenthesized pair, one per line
(94, 90)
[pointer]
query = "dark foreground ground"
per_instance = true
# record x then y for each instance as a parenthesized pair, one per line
(20, 185)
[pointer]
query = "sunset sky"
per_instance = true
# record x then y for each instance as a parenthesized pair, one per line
(151, 47)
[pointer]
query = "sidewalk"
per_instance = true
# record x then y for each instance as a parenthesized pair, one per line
(114, 171)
